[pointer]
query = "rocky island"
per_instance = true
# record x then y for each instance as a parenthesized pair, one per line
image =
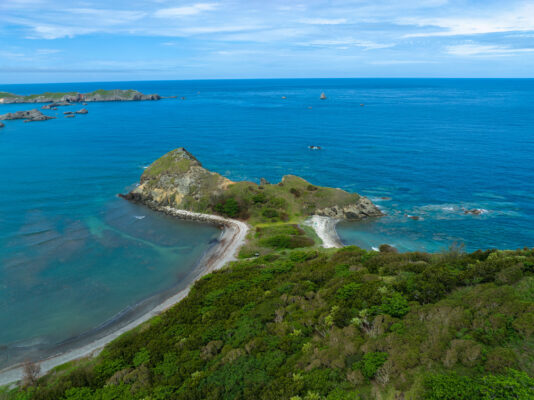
(59, 99)
(27, 116)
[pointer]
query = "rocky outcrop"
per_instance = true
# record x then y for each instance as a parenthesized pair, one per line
(27, 116)
(53, 106)
(177, 180)
(362, 208)
(63, 99)
(82, 111)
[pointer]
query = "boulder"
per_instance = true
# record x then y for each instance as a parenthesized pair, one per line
(363, 208)
(82, 111)
(1, 125)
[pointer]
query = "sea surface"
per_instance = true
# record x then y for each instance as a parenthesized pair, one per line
(75, 259)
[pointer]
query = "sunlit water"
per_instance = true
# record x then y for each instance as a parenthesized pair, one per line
(73, 256)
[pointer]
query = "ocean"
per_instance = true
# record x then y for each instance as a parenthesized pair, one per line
(75, 260)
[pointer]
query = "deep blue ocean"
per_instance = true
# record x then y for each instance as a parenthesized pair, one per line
(73, 256)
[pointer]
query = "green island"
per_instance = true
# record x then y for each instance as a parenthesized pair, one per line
(72, 97)
(290, 319)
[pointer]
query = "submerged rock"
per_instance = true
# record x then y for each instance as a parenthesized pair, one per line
(474, 211)
(28, 116)
(1, 125)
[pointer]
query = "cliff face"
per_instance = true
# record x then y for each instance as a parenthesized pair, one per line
(178, 180)
(75, 97)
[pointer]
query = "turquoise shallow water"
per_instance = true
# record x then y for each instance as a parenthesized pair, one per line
(73, 255)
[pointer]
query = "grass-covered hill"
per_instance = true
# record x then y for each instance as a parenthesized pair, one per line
(179, 180)
(97, 95)
(332, 324)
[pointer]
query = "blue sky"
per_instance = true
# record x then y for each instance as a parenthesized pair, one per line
(98, 40)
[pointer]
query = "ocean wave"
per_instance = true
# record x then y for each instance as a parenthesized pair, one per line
(139, 216)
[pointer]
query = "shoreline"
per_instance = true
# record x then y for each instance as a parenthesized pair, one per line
(325, 228)
(232, 238)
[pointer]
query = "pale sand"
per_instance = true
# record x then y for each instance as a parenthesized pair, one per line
(325, 228)
(232, 238)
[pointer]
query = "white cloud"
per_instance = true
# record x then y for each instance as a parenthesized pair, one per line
(45, 52)
(323, 21)
(400, 62)
(184, 11)
(473, 49)
(347, 42)
(518, 19)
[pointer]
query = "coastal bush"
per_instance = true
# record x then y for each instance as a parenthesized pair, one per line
(370, 363)
(326, 323)
(229, 208)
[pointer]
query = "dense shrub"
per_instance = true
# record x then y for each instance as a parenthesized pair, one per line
(326, 324)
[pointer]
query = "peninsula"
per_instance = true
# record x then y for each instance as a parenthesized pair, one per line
(289, 319)
(75, 97)
(281, 211)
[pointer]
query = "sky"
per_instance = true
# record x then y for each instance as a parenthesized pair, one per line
(122, 40)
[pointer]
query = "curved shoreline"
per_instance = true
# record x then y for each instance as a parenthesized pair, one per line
(232, 238)
(325, 228)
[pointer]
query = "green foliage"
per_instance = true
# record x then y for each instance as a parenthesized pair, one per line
(395, 305)
(370, 363)
(328, 324)
(229, 208)
(514, 385)
(141, 357)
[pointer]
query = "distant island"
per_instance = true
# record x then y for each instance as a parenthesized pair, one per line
(55, 100)
(75, 97)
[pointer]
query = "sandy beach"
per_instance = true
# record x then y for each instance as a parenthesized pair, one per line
(325, 228)
(232, 238)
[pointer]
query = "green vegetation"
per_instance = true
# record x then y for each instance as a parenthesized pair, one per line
(311, 323)
(6, 94)
(166, 165)
(290, 200)
(56, 96)
(101, 92)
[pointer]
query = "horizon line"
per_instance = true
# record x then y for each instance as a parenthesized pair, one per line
(269, 79)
